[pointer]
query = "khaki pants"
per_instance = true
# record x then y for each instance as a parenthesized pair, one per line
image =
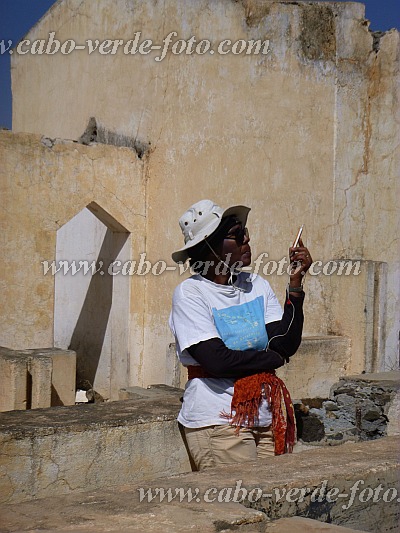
(218, 445)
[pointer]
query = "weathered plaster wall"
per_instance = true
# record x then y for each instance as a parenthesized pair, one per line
(367, 178)
(43, 186)
(304, 134)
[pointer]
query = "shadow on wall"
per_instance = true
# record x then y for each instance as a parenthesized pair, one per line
(90, 331)
(91, 304)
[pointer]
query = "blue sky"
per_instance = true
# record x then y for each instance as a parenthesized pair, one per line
(18, 16)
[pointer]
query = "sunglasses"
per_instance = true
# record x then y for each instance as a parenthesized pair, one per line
(239, 235)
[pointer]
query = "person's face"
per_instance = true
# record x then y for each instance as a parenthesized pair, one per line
(236, 247)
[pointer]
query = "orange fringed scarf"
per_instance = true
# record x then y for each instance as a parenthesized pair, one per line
(247, 397)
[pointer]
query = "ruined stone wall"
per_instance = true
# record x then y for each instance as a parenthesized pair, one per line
(304, 134)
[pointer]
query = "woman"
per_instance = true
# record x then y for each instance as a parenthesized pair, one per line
(231, 335)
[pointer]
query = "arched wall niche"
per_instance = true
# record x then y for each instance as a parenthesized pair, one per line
(91, 305)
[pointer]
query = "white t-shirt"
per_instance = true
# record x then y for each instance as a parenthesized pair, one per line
(203, 310)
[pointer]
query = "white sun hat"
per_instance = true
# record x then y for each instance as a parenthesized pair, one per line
(201, 220)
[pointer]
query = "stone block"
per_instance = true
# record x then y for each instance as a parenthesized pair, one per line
(40, 368)
(13, 381)
(64, 376)
(63, 373)
(317, 365)
(39, 378)
(89, 446)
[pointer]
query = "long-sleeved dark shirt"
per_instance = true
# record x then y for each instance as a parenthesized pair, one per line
(284, 340)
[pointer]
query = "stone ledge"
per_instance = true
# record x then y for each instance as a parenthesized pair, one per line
(386, 379)
(152, 392)
(119, 509)
(54, 420)
(62, 450)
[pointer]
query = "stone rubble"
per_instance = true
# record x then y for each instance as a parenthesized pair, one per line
(358, 409)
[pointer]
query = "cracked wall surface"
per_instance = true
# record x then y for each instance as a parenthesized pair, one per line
(59, 451)
(367, 170)
(305, 134)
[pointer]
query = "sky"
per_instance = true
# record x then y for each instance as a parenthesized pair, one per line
(18, 16)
